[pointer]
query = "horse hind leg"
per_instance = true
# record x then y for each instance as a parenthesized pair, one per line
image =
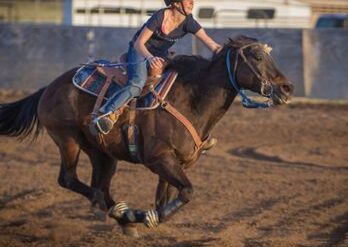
(104, 167)
(69, 153)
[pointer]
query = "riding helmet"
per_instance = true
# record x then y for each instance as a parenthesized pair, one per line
(169, 2)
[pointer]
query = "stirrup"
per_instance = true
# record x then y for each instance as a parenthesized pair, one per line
(105, 123)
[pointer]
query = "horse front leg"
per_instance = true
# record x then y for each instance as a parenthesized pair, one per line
(165, 193)
(169, 170)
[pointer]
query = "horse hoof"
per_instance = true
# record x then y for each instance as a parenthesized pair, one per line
(130, 231)
(151, 219)
(100, 215)
(118, 210)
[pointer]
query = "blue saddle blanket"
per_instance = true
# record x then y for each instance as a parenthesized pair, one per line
(89, 80)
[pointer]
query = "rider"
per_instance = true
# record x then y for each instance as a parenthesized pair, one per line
(148, 47)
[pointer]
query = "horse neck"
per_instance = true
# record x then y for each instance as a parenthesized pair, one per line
(209, 97)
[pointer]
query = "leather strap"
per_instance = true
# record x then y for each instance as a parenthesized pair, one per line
(169, 108)
(132, 133)
(101, 93)
(89, 77)
(132, 146)
(188, 125)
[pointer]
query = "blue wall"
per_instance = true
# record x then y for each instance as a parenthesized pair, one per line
(31, 56)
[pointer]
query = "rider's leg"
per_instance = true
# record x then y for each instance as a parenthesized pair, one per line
(137, 74)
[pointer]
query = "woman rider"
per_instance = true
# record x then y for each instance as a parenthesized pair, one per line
(148, 47)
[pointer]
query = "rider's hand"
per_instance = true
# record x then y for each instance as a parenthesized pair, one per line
(217, 49)
(155, 62)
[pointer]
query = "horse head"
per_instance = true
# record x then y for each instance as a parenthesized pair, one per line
(252, 68)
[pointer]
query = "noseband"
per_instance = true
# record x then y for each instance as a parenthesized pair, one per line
(246, 101)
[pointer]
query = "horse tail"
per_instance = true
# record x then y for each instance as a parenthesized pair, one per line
(20, 118)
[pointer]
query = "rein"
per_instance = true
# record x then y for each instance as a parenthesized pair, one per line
(246, 101)
(113, 65)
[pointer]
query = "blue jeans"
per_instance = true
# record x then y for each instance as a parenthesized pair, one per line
(137, 75)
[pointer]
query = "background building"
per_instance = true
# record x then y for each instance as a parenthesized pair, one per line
(217, 14)
(131, 13)
(32, 11)
(319, 7)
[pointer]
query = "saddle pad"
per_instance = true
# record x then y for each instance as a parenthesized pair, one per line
(89, 80)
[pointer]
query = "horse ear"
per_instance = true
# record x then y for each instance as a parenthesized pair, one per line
(241, 40)
(267, 48)
(243, 37)
(248, 40)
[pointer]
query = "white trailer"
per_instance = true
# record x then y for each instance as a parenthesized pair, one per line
(210, 13)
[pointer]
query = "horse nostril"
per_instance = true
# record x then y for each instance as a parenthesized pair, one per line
(287, 88)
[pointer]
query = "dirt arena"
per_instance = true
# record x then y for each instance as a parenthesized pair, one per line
(278, 177)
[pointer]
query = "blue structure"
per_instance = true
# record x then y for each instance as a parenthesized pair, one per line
(67, 12)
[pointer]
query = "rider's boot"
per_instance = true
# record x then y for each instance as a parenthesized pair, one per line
(106, 122)
(111, 110)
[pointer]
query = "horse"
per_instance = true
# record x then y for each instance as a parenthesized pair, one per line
(203, 92)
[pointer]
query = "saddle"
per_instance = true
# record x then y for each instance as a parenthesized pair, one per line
(120, 76)
(100, 79)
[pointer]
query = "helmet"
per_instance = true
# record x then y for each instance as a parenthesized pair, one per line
(181, 9)
(169, 2)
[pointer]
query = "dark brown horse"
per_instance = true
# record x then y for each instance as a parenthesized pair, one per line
(203, 93)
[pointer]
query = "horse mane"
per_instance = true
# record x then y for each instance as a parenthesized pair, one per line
(234, 43)
(193, 67)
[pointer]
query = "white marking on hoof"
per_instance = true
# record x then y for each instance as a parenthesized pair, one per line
(151, 219)
(118, 210)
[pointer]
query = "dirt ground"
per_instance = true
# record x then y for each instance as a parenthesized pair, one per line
(277, 177)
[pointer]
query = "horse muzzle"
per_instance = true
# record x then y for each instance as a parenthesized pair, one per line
(283, 93)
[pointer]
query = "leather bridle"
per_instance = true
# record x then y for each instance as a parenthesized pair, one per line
(265, 83)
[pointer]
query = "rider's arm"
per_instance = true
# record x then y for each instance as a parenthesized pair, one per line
(209, 42)
(139, 45)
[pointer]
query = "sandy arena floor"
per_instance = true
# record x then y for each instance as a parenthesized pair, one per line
(278, 177)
